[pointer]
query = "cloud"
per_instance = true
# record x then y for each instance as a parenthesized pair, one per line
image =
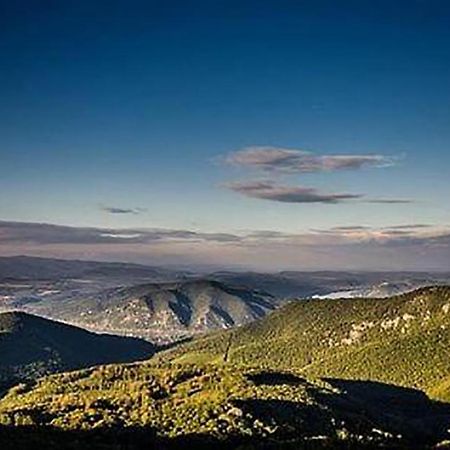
(116, 210)
(412, 226)
(278, 160)
(347, 247)
(350, 228)
(275, 159)
(269, 190)
(288, 194)
(390, 201)
(391, 236)
(292, 161)
(42, 234)
(49, 234)
(121, 236)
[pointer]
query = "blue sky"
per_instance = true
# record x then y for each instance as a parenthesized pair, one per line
(134, 106)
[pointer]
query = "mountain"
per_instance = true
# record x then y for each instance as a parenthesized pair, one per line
(32, 346)
(26, 275)
(162, 312)
(339, 373)
(403, 340)
(164, 305)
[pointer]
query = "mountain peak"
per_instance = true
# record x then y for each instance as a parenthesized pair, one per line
(165, 312)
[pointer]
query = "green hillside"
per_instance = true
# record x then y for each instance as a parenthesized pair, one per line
(346, 373)
(32, 346)
(403, 340)
(223, 405)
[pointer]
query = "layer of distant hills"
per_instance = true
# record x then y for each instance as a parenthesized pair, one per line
(165, 305)
(250, 364)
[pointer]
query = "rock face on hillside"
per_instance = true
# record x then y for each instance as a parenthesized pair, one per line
(166, 312)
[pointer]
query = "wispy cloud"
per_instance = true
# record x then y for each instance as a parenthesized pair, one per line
(391, 233)
(390, 201)
(276, 159)
(412, 226)
(282, 161)
(269, 190)
(350, 228)
(288, 194)
(43, 233)
(117, 210)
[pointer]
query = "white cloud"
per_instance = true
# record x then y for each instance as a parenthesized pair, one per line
(276, 159)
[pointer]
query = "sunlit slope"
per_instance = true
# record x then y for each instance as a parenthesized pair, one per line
(403, 340)
(225, 403)
(327, 373)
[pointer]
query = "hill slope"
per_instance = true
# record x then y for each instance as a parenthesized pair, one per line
(313, 374)
(163, 312)
(32, 346)
(222, 406)
(403, 340)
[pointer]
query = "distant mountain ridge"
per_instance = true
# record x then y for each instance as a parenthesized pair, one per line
(30, 267)
(294, 284)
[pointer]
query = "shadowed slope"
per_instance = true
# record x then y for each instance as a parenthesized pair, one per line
(31, 346)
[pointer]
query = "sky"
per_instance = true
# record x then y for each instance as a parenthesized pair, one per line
(267, 135)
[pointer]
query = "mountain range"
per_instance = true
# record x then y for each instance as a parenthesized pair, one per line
(35, 268)
(226, 360)
(164, 305)
(320, 373)
(287, 285)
